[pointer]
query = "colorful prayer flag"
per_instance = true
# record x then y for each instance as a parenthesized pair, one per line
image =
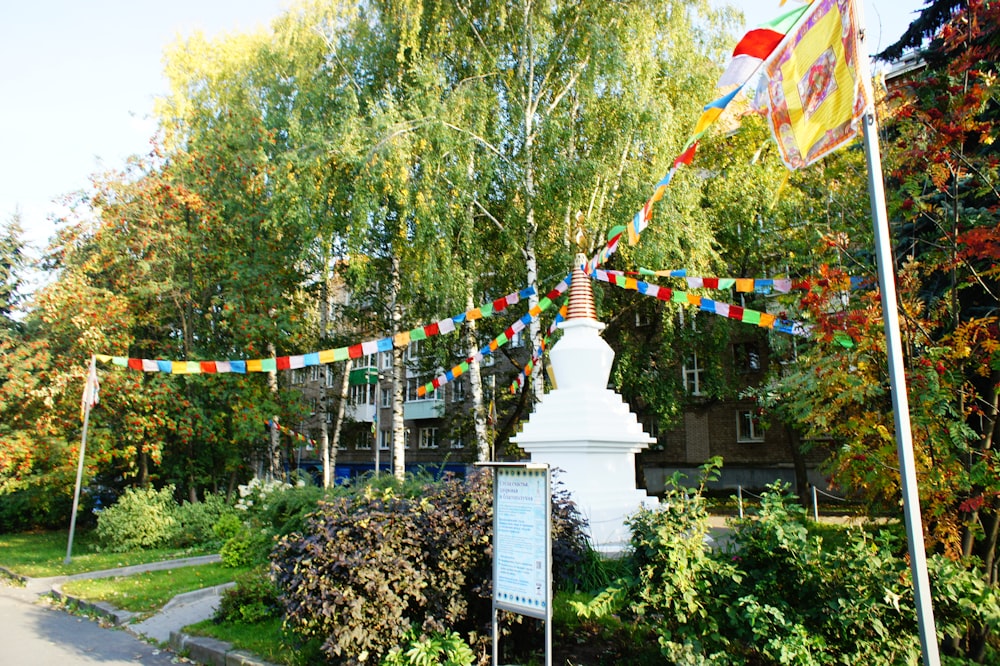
(815, 98)
(756, 46)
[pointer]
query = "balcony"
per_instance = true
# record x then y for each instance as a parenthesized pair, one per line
(363, 413)
(423, 409)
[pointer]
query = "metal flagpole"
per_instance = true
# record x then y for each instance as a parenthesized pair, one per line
(88, 399)
(897, 378)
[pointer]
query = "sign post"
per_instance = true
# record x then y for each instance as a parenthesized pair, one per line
(522, 545)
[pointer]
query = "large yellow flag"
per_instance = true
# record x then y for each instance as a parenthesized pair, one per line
(814, 96)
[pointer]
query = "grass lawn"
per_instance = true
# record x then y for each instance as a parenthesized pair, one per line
(41, 554)
(266, 639)
(149, 591)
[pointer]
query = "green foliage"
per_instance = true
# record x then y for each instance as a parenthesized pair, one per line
(197, 521)
(33, 502)
(227, 526)
(141, 518)
(253, 599)
(435, 649)
(777, 594)
(675, 583)
(248, 547)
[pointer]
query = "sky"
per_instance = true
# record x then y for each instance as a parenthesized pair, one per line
(79, 78)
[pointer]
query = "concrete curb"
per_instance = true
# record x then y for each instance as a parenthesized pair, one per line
(212, 652)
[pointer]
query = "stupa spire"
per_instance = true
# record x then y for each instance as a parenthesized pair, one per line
(581, 292)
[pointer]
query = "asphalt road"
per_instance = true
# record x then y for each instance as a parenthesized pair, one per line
(36, 635)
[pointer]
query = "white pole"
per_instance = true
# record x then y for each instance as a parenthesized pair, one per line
(79, 467)
(739, 494)
(815, 505)
(900, 401)
(897, 377)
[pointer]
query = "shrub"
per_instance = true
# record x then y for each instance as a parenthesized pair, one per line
(38, 501)
(247, 548)
(253, 599)
(798, 602)
(371, 565)
(285, 509)
(227, 526)
(671, 579)
(375, 562)
(196, 520)
(141, 518)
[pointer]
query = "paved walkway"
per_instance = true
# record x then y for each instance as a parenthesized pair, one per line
(32, 631)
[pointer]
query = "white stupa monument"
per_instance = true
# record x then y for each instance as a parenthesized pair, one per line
(585, 429)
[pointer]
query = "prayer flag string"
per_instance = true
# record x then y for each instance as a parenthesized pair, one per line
(530, 365)
(401, 339)
(502, 339)
(745, 285)
(745, 315)
(747, 59)
(291, 433)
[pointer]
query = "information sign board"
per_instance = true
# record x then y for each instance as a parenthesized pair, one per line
(521, 553)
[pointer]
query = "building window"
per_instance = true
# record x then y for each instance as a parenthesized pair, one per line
(384, 439)
(458, 442)
(412, 384)
(415, 350)
(329, 377)
(458, 391)
(691, 374)
(314, 373)
(488, 360)
(746, 357)
(297, 377)
(363, 394)
(428, 438)
(748, 426)
(386, 397)
(385, 360)
(364, 441)
(517, 340)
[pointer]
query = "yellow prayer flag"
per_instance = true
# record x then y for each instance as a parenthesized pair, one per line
(744, 285)
(326, 356)
(255, 365)
(814, 95)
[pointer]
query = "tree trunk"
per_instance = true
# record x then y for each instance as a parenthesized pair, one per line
(476, 386)
(338, 425)
(324, 430)
(274, 450)
(483, 443)
(398, 428)
(399, 380)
